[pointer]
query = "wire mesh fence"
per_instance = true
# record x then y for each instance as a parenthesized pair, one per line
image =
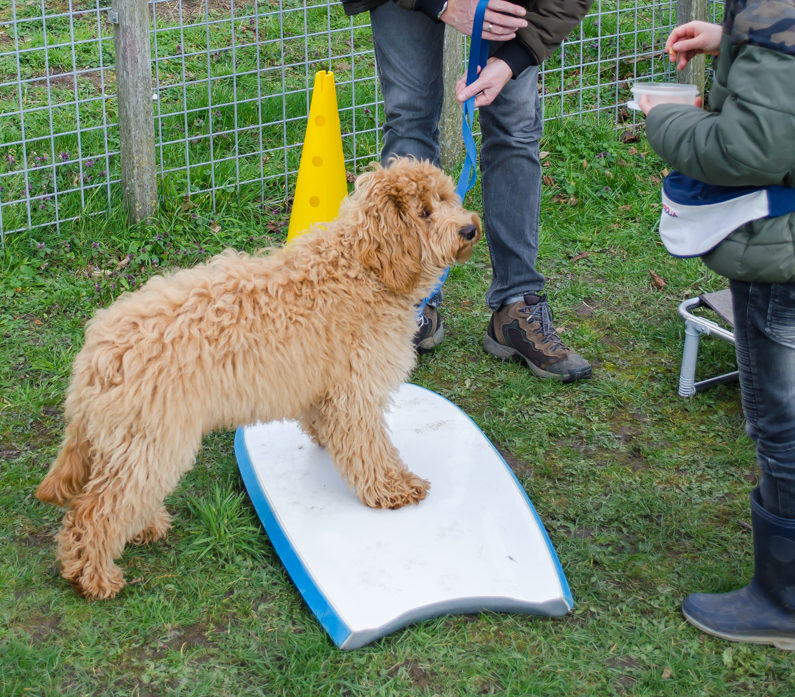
(232, 86)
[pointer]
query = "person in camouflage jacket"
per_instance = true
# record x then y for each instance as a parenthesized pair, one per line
(747, 138)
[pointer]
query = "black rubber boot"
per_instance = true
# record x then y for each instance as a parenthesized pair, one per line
(764, 611)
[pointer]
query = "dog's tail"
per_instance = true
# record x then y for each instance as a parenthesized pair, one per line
(70, 470)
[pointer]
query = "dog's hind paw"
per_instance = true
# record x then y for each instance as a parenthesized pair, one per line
(399, 490)
(99, 587)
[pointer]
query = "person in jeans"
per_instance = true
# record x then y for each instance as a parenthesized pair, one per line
(748, 139)
(408, 37)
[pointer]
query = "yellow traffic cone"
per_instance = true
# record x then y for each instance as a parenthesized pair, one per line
(321, 183)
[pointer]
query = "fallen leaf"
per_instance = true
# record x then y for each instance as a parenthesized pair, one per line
(667, 673)
(656, 280)
(581, 255)
(548, 180)
(562, 198)
(543, 154)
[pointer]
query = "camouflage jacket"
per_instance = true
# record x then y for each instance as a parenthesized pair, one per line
(747, 138)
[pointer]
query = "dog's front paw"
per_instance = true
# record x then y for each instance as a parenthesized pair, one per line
(309, 428)
(395, 491)
(156, 529)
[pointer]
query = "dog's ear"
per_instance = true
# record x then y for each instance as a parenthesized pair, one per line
(395, 258)
(390, 246)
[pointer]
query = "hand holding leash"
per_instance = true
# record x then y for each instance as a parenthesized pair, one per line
(500, 21)
(490, 81)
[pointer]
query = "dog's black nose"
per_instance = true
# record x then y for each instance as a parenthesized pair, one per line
(468, 232)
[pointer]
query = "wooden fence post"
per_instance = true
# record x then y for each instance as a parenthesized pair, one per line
(136, 114)
(450, 143)
(695, 71)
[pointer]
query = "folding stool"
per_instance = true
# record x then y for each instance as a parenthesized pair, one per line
(720, 303)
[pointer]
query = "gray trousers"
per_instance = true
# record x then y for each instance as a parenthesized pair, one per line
(408, 49)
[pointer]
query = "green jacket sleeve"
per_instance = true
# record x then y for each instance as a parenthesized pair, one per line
(750, 140)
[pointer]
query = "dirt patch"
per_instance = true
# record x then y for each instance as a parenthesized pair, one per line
(41, 628)
(169, 11)
(586, 308)
(195, 635)
(623, 664)
(522, 470)
(99, 79)
(36, 539)
(583, 533)
(9, 452)
(420, 674)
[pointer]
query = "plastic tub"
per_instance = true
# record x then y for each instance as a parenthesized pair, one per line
(663, 92)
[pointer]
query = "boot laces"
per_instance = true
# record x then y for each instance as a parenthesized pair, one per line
(542, 313)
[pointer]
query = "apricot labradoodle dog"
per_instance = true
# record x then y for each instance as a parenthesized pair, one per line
(246, 338)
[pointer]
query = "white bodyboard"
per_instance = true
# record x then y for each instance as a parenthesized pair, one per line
(475, 543)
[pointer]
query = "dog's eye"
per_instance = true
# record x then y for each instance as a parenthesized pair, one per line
(425, 212)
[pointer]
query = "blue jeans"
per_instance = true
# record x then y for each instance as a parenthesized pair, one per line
(764, 331)
(408, 49)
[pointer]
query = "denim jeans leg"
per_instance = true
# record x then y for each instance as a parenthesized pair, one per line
(765, 342)
(408, 52)
(511, 128)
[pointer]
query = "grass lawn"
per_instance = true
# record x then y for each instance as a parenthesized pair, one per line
(644, 494)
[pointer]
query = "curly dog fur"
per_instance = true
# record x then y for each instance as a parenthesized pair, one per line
(247, 338)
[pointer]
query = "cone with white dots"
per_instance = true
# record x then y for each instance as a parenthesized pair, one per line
(321, 183)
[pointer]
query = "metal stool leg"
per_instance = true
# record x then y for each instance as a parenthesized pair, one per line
(687, 374)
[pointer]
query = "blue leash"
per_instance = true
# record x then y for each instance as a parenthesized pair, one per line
(478, 55)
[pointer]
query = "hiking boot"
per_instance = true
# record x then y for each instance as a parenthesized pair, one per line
(430, 330)
(524, 330)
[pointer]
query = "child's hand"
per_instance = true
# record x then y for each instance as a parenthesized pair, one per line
(691, 39)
